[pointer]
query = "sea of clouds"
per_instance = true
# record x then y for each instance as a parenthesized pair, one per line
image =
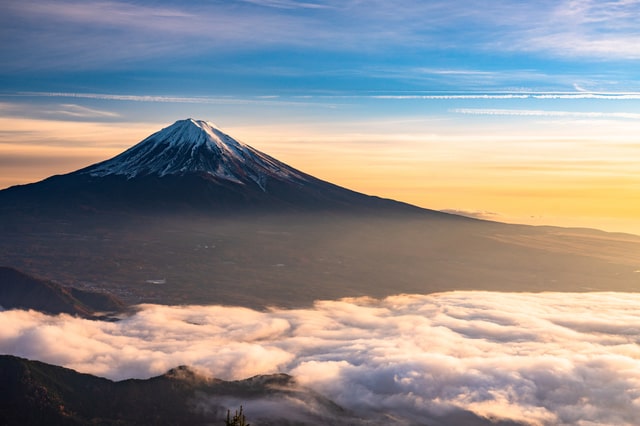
(539, 359)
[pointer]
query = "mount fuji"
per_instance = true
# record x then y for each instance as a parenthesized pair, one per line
(193, 165)
(191, 215)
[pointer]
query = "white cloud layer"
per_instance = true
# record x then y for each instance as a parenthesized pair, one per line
(520, 95)
(540, 359)
(299, 99)
(228, 100)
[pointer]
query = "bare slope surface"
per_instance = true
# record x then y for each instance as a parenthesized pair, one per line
(21, 291)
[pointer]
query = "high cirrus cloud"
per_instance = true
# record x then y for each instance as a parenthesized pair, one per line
(540, 359)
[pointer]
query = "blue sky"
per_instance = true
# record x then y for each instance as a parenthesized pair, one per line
(396, 93)
(323, 47)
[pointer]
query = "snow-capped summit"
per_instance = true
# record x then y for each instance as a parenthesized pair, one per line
(190, 165)
(195, 146)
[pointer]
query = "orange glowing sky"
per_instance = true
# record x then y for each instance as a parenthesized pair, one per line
(515, 111)
(568, 173)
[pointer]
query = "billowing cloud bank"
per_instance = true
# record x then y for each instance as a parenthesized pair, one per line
(547, 359)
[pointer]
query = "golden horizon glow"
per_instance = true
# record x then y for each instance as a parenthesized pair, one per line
(544, 178)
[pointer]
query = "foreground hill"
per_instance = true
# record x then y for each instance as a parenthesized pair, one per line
(35, 393)
(22, 291)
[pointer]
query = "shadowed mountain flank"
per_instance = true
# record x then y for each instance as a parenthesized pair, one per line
(35, 393)
(191, 166)
(22, 291)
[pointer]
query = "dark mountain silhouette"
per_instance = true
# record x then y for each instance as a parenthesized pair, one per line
(191, 165)
(22, 291)
(35, 393)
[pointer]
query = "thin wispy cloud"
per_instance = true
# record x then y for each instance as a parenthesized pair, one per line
(477, 214)
(611, 46)
(536, 359)
(79, 111)
(453, 96)
(83, 33)
(289, 4)
(299, 98)
(546, 113)
(517, 95)
(137, 98)
(587, 28)
(612, 96)
(583, 94)
(212, 100)
(109, 13)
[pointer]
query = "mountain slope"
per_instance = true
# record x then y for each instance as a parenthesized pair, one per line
(35, 393)
(192, 165)
(195, 146)
(21, 291)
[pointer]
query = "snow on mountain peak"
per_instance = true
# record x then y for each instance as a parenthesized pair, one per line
(198, 132)
(195, 146)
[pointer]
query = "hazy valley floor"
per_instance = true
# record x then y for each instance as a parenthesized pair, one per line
(293, 260)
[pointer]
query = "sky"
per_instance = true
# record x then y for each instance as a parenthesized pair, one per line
(514, 111)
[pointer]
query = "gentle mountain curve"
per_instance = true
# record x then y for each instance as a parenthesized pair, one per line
(22, 291)
(35, 393)
(193, 165)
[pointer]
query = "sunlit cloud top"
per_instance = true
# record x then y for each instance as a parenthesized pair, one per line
(531, 359)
